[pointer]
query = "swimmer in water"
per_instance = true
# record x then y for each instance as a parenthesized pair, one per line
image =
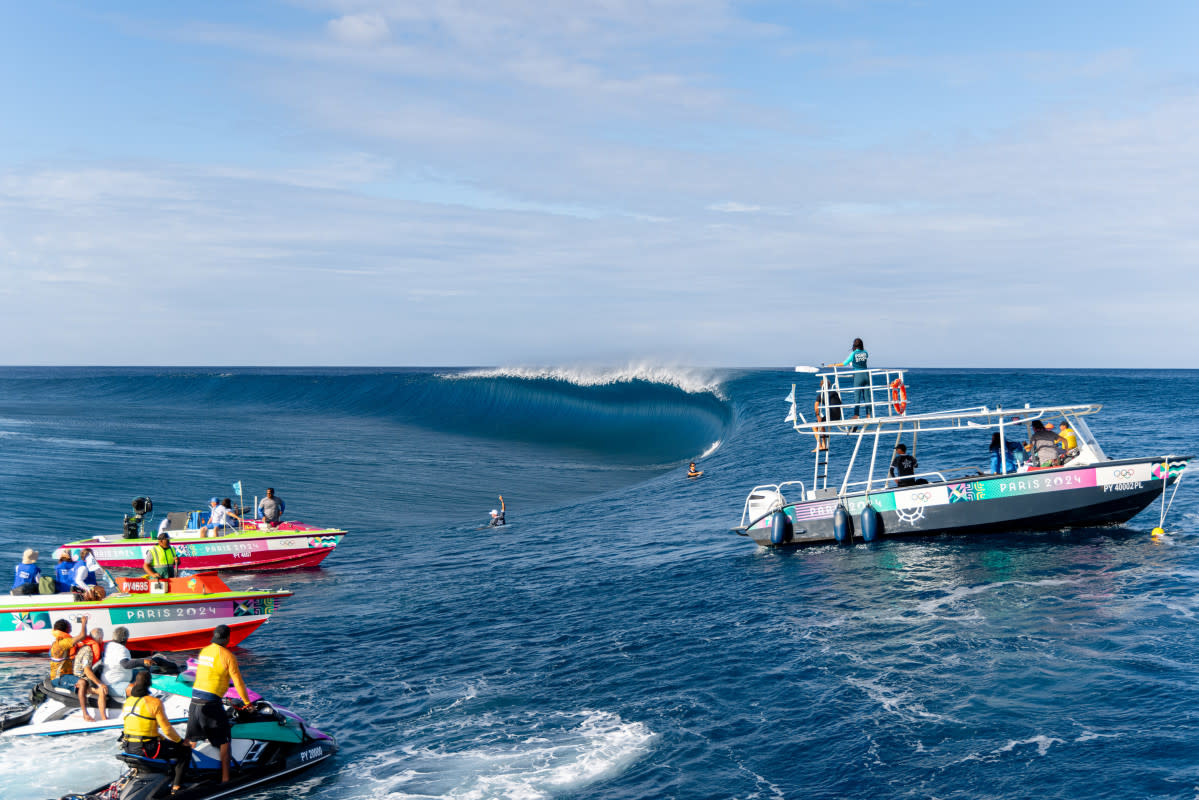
(497, 517)
(692, 472)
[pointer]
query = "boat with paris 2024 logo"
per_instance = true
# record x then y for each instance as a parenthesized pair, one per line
(1046, 471)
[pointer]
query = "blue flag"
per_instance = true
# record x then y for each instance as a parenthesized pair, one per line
(237, 488)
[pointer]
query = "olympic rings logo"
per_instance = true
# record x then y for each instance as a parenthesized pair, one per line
(921, 497)
(1123, 473)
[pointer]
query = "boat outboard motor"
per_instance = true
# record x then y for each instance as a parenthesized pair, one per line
(842, 526)
(142, 508)
(872, 524)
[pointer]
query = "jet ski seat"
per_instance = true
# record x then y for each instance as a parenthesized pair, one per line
(146, 764)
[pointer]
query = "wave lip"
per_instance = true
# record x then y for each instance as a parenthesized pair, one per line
(689, 379)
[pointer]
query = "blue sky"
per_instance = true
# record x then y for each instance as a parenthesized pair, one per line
(599, 181)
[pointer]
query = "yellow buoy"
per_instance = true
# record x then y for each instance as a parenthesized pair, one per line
(1157, 532)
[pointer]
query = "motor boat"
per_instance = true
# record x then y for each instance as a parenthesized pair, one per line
(255, 545)
(269, 743)
(1078, 486)
(167, 615)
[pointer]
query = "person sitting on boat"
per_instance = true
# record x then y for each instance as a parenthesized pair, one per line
(220, 516)
(27, 574)
(271, 508)
(497, 517)
(165, 525)
(87, 570)
(828, 407)
(88, 655)
(861, 378)
(903, 466)
(1010, 450)
(161, 560)
(1068, 439)
(64, 573)
(206, 717)
(1042, 445)
(62, 652)
(145, 725)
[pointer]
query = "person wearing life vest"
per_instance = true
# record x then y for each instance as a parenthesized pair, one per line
(145, 725)
(64, 572)
(1068, 438)
(86, 656)
(62, 653)
(161, 560)
(206, 716)
(27, 574)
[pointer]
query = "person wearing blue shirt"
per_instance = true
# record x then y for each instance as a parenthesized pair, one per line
(1010, 448)
(861, 378)
(64, 573)
(27, 574)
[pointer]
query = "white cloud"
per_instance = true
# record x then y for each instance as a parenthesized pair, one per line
(360, 30)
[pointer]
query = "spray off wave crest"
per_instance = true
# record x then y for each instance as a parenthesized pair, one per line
(688, 379)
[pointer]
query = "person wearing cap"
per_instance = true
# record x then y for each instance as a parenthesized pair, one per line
(206, 717)
(27, 574)
(161, 560)
(219, 516)
(145, 725)
(497, 516)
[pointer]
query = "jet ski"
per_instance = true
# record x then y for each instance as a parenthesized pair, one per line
(54, 711)
(268, 743)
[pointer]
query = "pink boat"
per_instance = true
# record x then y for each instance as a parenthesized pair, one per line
(254, 547)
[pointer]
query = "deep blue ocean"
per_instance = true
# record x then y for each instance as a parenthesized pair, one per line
(616, 640)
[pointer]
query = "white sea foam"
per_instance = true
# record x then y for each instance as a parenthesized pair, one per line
(562, 755)
(1042, 742)
(690, 379)
(959, 593)
(23, 765)
(712, 448)
(897, 702)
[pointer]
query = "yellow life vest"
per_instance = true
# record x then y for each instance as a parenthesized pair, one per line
(162, 557)
(1071, 441)
(141, 725)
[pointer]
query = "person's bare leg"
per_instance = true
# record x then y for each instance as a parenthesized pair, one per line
(81, 693)
(102, 703)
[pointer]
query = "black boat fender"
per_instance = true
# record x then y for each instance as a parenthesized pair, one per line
(781, 529)
(842, 525)
(872, 524)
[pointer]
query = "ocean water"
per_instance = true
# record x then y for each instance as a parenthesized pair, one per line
(616, 640)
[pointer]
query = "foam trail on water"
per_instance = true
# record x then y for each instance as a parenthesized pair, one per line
(712, 448)
(531, 760)
(38, 767)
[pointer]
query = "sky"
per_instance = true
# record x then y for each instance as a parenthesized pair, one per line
(510, 182)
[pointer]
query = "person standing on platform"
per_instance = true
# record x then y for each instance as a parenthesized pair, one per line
(857, 358)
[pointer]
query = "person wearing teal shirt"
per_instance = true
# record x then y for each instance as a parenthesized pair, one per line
(861, 378)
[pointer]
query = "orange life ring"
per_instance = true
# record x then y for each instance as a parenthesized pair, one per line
(899, 396)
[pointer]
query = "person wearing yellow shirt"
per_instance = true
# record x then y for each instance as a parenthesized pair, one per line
(146, 723)
(206, 716)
